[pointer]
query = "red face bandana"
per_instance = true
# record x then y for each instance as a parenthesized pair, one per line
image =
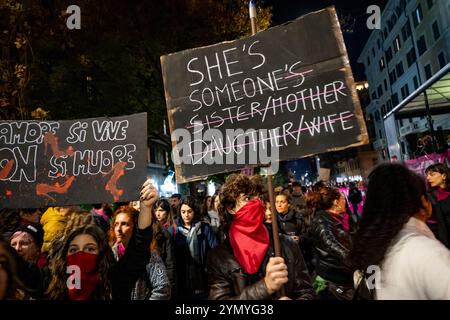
(81, 288)
(249, 237)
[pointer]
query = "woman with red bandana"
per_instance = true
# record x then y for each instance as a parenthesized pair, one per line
(86, 269)
(439, 222)
(244, 267)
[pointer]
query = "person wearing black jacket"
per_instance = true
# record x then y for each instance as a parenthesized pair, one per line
(439, 222)
(244, 266)
(86, 268)
(166, 249)
(164, 231)
(331, 244)
(290, 219)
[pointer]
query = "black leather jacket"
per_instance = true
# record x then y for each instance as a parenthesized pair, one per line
(331, 245)
(441, 217)
(227, 280)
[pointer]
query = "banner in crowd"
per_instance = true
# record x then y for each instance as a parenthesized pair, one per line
(420, 164)
(57, 163)
(282, 94)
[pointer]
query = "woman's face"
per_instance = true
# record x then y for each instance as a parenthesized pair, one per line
(83, 242)
(340, 204)
(436, 179)
(281, 204)
(123, 228)
(187, 214)
(161, 215)
(208, 202)
(268, 213)
(216, 203)
(25, 246)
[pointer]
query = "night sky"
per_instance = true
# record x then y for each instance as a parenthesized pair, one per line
(286, 10)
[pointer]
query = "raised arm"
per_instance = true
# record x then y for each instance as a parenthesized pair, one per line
(149, 195)
(128, 269)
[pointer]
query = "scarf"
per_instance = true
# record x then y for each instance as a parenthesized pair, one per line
(101, 214)
(192, 239)
(249, 237)
(87, 272)
(342, 219)
(118, 250)
(441, 194)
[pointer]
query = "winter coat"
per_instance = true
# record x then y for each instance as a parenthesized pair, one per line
(191, 272)
(331, 244)
(439, 222)
(290, 222)
(227, 280)
(154, 283)
(166, 249)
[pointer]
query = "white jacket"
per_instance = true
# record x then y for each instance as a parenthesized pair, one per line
(416, 266)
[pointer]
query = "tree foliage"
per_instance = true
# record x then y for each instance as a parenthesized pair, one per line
(111, 66)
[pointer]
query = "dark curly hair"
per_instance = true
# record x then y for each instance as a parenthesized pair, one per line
(393, 196)
(57, 290)
(234, 186)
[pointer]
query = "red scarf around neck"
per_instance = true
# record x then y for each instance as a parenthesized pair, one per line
(249, 238)
(441, 194)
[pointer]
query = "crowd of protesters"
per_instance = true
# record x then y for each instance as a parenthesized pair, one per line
(223, 247)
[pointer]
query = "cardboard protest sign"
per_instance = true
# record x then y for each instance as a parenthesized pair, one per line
(57, 163)
(284, 93)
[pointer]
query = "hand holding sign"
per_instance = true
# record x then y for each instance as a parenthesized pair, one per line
(276, 274)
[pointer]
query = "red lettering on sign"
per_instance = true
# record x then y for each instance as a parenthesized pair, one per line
(43, 189)
(111, 186)
(6, 169)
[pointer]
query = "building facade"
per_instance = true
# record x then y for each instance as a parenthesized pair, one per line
(411, 46)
